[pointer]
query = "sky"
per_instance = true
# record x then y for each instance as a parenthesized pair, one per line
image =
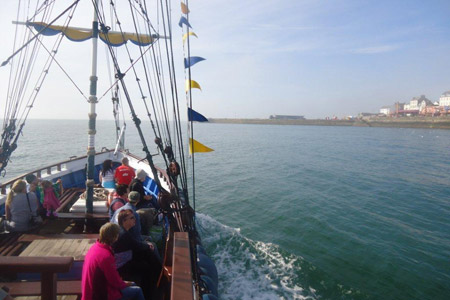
(314, 58)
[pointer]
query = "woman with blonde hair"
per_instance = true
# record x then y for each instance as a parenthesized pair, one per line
(21, 208)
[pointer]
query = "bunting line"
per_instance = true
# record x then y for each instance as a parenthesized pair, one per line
(197, 147)
(195, 116)
(192, 84)
(186, 35)
(192, 61)
(184, 21)
(184, 8)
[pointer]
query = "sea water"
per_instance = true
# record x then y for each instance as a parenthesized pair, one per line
(304, 212)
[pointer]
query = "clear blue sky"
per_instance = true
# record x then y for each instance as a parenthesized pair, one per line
(312, 58)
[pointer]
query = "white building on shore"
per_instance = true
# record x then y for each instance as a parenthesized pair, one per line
(444, 100)
(385, 110)
(417, 104)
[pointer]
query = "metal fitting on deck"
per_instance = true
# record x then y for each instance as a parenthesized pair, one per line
(90, 182)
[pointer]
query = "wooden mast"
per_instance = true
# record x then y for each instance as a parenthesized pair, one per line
(92, 117)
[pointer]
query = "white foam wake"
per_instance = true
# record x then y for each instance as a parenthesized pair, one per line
(249, 269)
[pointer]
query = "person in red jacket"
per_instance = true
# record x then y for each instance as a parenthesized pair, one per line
(124, 173)
(100, 279)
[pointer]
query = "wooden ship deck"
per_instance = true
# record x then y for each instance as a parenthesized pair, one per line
(46, 263)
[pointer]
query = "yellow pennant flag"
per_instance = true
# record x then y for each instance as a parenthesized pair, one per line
(195, 146)
(184, 8)
(190, 33)
(193, 84)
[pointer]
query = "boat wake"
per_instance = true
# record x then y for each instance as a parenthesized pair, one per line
(251, 269)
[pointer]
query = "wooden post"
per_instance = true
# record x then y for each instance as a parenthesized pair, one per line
(48, 286)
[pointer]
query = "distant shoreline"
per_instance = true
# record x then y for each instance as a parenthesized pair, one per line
(404, 122)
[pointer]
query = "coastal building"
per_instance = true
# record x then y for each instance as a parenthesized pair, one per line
(431, 110)
(385, 110)
(364, 115)
(416, 105)
(286, 117)
(444, 100)
(399, 107)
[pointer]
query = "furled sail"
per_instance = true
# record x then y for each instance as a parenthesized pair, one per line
(82, 34)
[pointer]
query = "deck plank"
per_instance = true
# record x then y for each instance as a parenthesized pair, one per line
(75, 248)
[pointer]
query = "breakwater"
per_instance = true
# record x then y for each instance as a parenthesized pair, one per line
(404, 122)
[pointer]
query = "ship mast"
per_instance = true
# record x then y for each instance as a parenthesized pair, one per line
(92, 117)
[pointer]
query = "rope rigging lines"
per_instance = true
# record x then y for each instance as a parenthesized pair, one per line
(151, 59)
(20, 98)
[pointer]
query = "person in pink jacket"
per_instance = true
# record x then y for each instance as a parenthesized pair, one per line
(100, 279)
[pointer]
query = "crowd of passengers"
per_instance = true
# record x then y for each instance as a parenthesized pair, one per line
(123, 250)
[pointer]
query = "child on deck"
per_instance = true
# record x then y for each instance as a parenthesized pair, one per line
(51, 195)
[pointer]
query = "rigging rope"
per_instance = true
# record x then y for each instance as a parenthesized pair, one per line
(136, 120)
(15, 114)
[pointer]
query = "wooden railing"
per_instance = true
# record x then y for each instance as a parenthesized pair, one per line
(181, 268)
(47, 266)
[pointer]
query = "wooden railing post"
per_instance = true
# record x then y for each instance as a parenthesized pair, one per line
(48, 286)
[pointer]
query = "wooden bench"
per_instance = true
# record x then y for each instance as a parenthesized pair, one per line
(47, 266)
(82, 216)
(8, 244)
(33, 288)
(32, 237)
(67, 197)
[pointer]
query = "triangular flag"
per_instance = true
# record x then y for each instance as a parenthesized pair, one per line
(192, 61)
(195, 146)
(184, 8)
(193, 84)
(190, 33)
(184, 21)
(195, 116)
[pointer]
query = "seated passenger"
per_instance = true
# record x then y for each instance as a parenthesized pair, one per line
(51, 193)
(136, 258)
(137, 184)
(100, 279)
(32, 183)
(133, 199)
(33, 186)
(119, 199)
(106, 175)
(144, 217)
(21, 208)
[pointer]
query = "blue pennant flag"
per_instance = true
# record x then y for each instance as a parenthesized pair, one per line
(195, 116)
(184, 21)
(192, 61)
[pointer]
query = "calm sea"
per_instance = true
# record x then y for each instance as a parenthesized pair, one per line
(305, 212)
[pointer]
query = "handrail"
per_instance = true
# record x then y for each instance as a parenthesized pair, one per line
(181, 268)
(41, 169)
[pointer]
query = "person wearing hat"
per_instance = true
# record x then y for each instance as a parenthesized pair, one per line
(133, 200)
(138, 185)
